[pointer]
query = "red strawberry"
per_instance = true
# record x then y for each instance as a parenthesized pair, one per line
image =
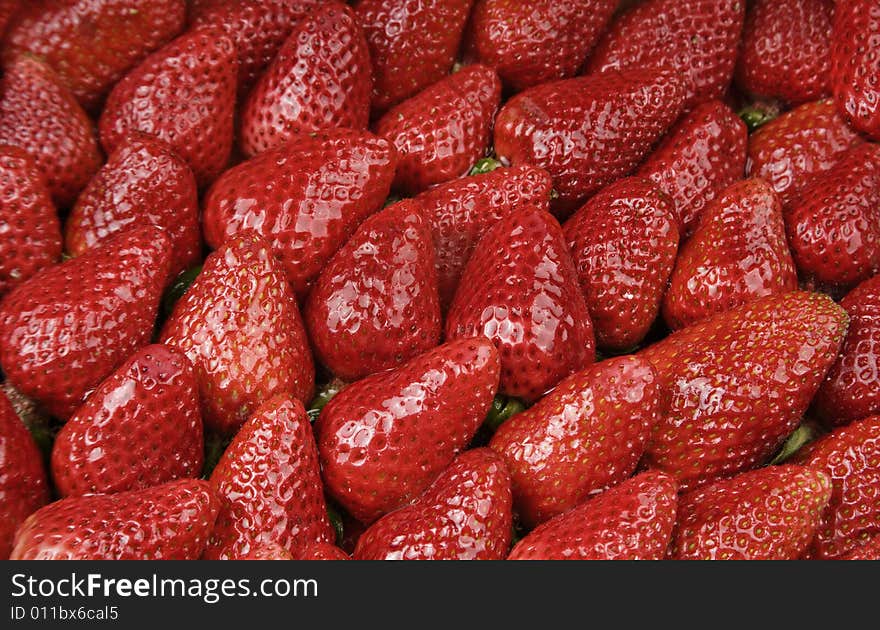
(31, 232)
(267, 551)
(442, 131)
(319, 551)
(383, 439)
(869, 551)
(737, 253)
(739, 383)
(140, 428)
(93, 43)
(143, 182)
(589, 131)
(375, 304)
(240, 326)
(306, 197)
(855, 64)
(701, 156)
(700, 39)
(23, 486)
(632, 521)
(767, 514)
(583, 437)
(269, 484)
(520, 290)
(623, 243)
(167, 522)
(413, 43)
(8, 8)
(465, 514)
(320, 79)
(40, 116)
(184, 94)
(68, 327)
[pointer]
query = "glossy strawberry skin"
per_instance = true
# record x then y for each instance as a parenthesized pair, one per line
(632, 521)
(738, 383)
(31, 231)
(442, 131)
(767, 514)
(868, 551)
(320, 79)
(143, 182)
(240, 326)
(383, 439)
(268, 551)
(520, 290)
(8, 9)
(623, 243)
(855, 64)
(320, 551)
(375, 305)
(269, 484)
(306, 197)
(167, 522)
(140, 428)
(68, 327)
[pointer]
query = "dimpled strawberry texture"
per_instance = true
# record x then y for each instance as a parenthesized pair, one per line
(869, 551)
(856, 64)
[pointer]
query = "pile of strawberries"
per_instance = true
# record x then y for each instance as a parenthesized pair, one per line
(440, 279)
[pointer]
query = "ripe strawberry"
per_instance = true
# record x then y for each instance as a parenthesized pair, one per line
(855, 64)
(589, 131)
(8, 8)
(306, 197)
(143, 182)
(40, 116)
(739, 383)
(184, 94)
(321, 78)
(632, 521)
(68, 327)
(413, 44)
(269, 484)
(91, 44)
(267, 551)
(440, 132)
(869, 551)
(737, 253)
(31, 233)
(704, 153)
(385, 438)
(167, 522)
(375, 304)
(520, 290)
(240, 326)
(140, 428)
(319, 551)
(623, 243)
(767, 514)
(23, 486)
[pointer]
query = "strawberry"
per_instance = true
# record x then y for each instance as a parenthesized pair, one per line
(520, 290)
(440, 132)
(536, 42)
(704, 153)
(269, 484)
(40, 116)
(739, 383)
(267, 551)
(699, 39)
(93, 43)
(855, 64)
(31, 232)
(321, 78)
(375, 304)
(869, 551)
(67, 328)
(319, 551)
(583, 437)
(184, 94)
(385, 438)
(632, 521)
(413, 44)
(23, 486)
(240, 326)
(767, 514)
(465, 514)
(737, 253)
(167, 522)
(589, 131)
(306, 197)
(140, 428)
(143, 182)
(623, 243)
(8, 8)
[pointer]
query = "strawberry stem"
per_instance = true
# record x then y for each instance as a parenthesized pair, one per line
(503, 408)
(324, 395)
(180, 286)
(486, 165)
(803, 435)
(758, 114)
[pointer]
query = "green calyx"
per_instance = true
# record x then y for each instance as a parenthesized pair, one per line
(180, 286)
(503, 408)
(803, 435)
(486, 165)
(336, 521)
(756, 116)
(215, 446)
(324, 395)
